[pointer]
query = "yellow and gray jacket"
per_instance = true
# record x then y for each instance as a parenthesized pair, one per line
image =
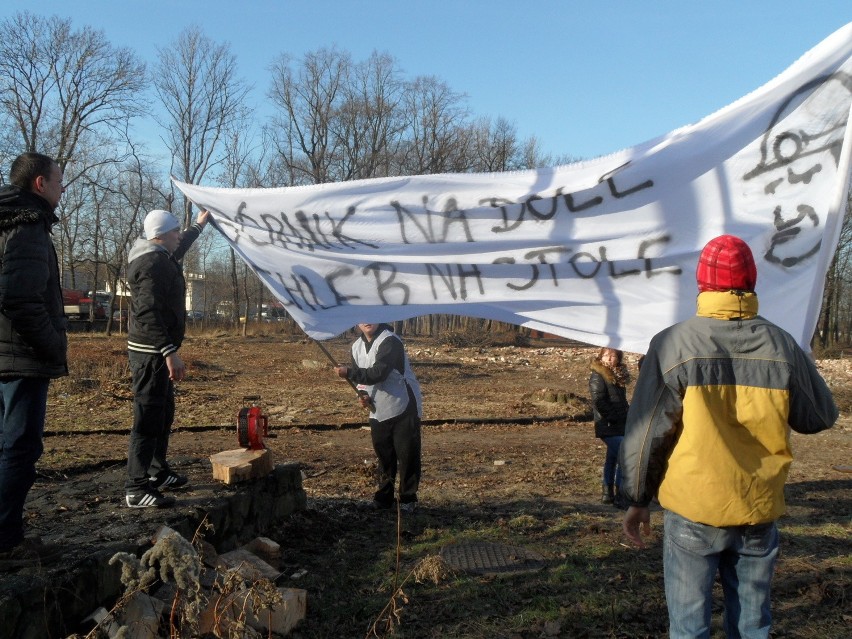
(708, 431)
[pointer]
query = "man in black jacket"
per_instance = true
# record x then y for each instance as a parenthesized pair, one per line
(155, 333)
(33, 342)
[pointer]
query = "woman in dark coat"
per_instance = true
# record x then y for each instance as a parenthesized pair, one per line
(608, 389)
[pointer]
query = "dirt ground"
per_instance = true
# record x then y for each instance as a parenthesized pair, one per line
(525, 405)
(502, 425)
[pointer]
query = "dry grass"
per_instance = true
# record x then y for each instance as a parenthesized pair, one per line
(367, 572)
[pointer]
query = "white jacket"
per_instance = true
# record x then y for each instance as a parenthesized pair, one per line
(390, 397)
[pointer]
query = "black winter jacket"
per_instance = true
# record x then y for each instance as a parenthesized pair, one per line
(33, 340)
(609, 401)
(157, 296)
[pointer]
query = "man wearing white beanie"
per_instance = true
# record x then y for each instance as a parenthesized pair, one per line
(158, 223)
(155, 333)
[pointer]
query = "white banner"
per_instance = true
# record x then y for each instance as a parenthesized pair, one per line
(602, 251)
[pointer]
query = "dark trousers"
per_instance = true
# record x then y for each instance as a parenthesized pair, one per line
(397, 445)
(611, 469)
(23, 405)
(153, 415)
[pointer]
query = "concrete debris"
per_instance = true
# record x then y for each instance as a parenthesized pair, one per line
(253, 611)
(249, 566)
(228, 614)
(139, 618)
(265, 547)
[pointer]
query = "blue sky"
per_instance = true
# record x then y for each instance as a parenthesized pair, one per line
(586, 78)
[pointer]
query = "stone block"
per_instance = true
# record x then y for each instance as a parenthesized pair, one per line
(249, 565)
(140, 617)
(224, 613)
(265, 547)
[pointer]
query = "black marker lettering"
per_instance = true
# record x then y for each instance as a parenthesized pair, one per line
(650, 271)
(519, 287)
(340, 299)
(386, 283)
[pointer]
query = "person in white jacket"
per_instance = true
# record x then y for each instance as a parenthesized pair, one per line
(380, 368)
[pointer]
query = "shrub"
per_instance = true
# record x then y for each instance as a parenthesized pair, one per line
(466, 338)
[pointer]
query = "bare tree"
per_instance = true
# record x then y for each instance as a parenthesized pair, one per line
(437, 131)
(495, 148)
(242, 167)
(836, 313)
(307, 100)
(61, 89)
(73, 236)
(198, 85)
(370, 122)
(531, 155)
(69, 94)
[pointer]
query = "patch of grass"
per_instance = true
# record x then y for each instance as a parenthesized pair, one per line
(523, 523)
(435, 602)
(94, 362)
(391, 582)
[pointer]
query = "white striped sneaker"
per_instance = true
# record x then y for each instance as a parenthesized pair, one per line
(148, 499)
(167, 481)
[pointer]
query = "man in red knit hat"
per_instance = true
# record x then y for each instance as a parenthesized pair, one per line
(708, 434)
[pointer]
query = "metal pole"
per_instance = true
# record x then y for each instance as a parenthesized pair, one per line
(334, 363)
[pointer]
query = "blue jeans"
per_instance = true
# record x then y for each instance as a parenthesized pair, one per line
(611, 469)
(744, 557)
(23, 405)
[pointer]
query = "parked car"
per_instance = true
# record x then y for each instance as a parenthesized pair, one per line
(194, 316)
(273, 313)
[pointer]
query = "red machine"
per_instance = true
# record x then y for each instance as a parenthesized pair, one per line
(80, 305)
(252, 425)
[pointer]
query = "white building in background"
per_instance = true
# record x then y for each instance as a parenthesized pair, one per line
(196, 298)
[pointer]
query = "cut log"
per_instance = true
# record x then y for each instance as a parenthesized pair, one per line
(242, 464)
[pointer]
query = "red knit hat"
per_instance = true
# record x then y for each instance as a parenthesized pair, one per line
(726, 263)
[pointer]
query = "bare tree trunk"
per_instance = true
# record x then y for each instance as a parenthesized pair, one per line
(248, 301)
(235, 291)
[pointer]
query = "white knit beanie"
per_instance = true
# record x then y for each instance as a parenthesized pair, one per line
(159, 222)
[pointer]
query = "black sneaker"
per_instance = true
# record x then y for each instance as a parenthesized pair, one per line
(30, 552)
(150, 498)
(167, 481)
